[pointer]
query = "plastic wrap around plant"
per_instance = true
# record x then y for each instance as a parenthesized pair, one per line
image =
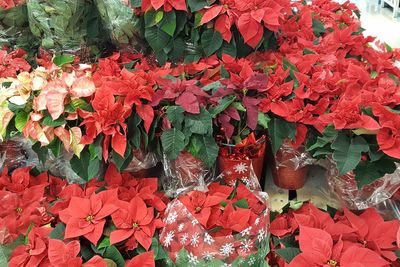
(349, 195)
(226, 225)
(14, 26)
(141, 161)
(122, 24)
(16, 152)
(61, 24)
(291, 157)
(185, 173)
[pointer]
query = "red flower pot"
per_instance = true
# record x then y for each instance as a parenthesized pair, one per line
(286, 172)
(234, 169)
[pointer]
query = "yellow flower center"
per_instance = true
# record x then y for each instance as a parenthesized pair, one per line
(19, 210)
(198, 209)
(90, 218)
(135, 225)
(332, 263)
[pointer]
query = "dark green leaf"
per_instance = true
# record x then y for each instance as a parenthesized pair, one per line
(122, 162)
(212, 86)
(42, 152)
(96, 149)
(113, 254)
(223, 104)
(136, 3)
(368, 172)
(287, 253)
(48, 121)
(347, 152)
(56, 147)
(196, 5)
(58, 232)
(263, 120)
(176, 116)
(156, 38)
(208, 149)
(397, 252)
(173, 142)
(86, 168)
(318, 27)
(280, 130)
(211, 41)
(332, 211)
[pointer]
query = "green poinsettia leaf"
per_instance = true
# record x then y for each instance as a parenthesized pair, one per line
(204, 148)
(368, 172)
(280, 130)
(6, 250)
(58, 232)
(113, 254)
(173, 142)
(21, 119)
(168, 23)
(211, 41)
(61, 60)
(287, 254)
(347, 152)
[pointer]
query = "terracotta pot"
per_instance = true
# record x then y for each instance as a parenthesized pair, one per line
(14, 154)
(285, 173)
(234, 169)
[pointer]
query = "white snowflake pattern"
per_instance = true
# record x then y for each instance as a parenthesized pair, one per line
(251, 261)
(195, 221)
(168, 239)
(246, 245)
(226, 249)
(195, 240)
(246, 181)
(208, 239)
(193, 259)
(180, 227)
(208, 255)
(226, 265)
(171, 218)
(246, 231)
(261, 235)
(228, 172)
(240, 168)
(184, 239)
(257, 221)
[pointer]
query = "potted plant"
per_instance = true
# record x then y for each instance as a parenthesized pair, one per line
(189, 148)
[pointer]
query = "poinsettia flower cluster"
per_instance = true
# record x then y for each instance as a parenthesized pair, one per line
(12, 63)
(346, 239)
(7, 4)
(224, 223)
(123, 210)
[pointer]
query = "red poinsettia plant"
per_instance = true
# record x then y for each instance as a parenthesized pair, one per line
(307, 236)
(96, 224)
(223, 225)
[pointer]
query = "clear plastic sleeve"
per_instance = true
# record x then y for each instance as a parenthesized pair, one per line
(123, 25)
(290, 166)
(185, 173)
(345, 188)
(60, 24)
(14, 27)
(142, 162)
(16, 153)
(242, 240)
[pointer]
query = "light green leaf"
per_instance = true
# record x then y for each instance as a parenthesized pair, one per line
(168, 23)
(104, 243)
(347, 152)
(61, 60)
(6, 250)
(48, 121)
(21, 119)
(263, 120)
(113, 254)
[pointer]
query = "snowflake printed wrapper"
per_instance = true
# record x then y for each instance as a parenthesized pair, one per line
(217, 229)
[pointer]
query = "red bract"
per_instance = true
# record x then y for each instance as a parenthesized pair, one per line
(13, 63)
(142, 260)
(183, 93)
(34, 253)
(168, 5)
(388, 136)
(200, 204)
(62, 255)
(87, 216)
(135, 222)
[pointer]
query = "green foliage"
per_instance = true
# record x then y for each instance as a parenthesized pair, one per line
(287, 253)
(6, 250)
(279, 130)
(85, 167)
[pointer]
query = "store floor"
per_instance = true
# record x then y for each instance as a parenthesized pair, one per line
(379, 21)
